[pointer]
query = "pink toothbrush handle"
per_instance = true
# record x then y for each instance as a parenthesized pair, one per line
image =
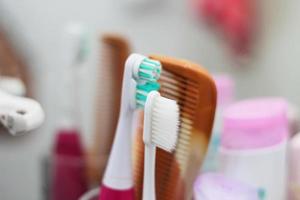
(107, 193)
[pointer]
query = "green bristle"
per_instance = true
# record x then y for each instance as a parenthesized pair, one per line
(142, 91)
(149, 70)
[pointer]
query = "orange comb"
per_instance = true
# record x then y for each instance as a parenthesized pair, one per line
(194, 90)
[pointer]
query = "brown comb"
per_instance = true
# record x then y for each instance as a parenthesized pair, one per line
(115, 50)
(194, 90)
(11, 64)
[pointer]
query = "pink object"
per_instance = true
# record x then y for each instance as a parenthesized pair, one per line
(236, 19)
(225, 89)
(255, 123)
(68, 180)
(68, 143)
(107, 193)
(210, 9)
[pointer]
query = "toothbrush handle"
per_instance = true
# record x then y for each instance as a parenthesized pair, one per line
(149, 173)
(108, 193)
(118, 173)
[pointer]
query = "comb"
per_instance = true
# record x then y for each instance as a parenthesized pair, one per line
(12, 65)
(194, 90)
(114, 52)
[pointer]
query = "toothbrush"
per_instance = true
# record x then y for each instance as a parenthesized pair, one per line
(19, 114)
(68, 181)
(140, 76)
(161, 122)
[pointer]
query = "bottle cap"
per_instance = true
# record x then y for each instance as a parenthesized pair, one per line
(255, 123)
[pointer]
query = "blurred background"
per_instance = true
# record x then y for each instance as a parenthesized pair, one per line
(168, 27)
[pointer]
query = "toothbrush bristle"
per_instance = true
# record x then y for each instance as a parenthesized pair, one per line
(149, 70)
(165, 123)
(142, 91)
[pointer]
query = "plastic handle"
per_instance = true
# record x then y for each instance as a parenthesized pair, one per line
(108, 193)
(118, 174)
(149, 173)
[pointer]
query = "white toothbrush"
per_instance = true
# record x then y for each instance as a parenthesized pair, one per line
(19, 114)
(161, 121)
(140, 78)
(75, 51)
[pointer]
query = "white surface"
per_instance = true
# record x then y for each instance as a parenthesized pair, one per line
(164, 28)
(265, 169)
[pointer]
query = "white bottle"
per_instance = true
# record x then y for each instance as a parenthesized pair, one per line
(254, 145)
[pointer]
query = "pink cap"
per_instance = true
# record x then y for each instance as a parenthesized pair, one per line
(255, 123)
(225, 89)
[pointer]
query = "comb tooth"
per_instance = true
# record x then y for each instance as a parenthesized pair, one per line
(171, 76)
(177, 85)
(187, 101)
(185, 115)
(184, 141)
(187, 121)
(185, 95)
(169, 84)
(186, 126)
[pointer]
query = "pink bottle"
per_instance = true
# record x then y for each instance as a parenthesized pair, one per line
(225, 91)
(253, 145)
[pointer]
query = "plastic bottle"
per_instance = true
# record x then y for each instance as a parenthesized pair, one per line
(254, 145)
(225, 96)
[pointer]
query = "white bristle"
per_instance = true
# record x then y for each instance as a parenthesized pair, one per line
(164, 123)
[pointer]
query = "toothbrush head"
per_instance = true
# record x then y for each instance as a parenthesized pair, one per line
(162, 122)
(146, 73)
(149, 70)
(145, 69)
(142, 91)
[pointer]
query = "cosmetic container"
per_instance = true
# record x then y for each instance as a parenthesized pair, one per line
(254, 145)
